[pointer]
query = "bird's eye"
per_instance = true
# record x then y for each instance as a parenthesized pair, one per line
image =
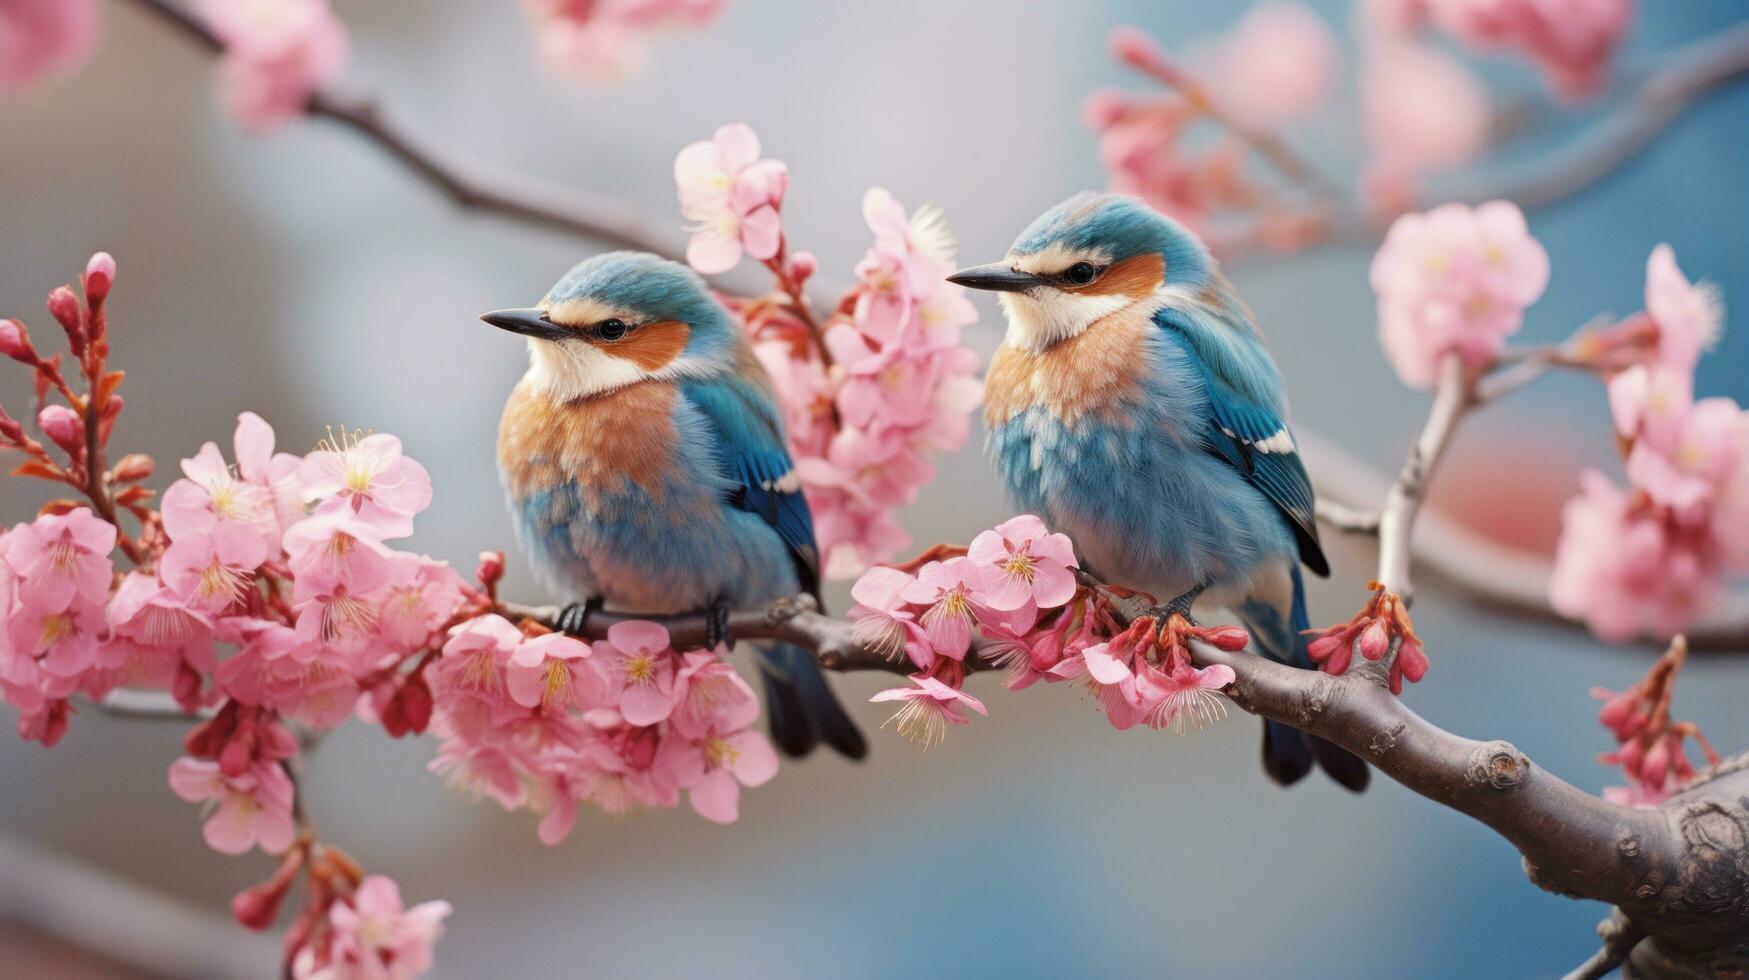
(611, 329)
(1082, 273)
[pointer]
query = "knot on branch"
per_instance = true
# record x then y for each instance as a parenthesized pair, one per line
(1382, 743)
(1715, 867)
(784, 610)
(1315, 698)
(1497, 765)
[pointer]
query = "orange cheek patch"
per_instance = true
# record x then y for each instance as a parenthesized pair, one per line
(651, 346)
(1135, 277)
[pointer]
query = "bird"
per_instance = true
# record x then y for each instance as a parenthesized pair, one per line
(644, 462)
(1132, 405)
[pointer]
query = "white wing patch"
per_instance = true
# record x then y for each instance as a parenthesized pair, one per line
(787, 483)
(1281, 442)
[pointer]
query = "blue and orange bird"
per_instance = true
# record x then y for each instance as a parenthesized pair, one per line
(645, 465)
(1133, 406)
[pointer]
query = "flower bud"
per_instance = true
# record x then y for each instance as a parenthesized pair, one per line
(490, 569)
(15, 342)
(186, 688)
(1374, 640)
(70, 314)
(1104, 109)
(133, 468)
(1229, 638)
(63, 426)
(258, 905)
(99, 276)
(802, 265)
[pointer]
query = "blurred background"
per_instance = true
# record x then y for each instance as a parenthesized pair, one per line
(304, 276)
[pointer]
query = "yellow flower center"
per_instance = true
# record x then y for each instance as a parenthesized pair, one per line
(58, 627)
(718, 753)
(556, 684)
(1021, 566)
(640, 669)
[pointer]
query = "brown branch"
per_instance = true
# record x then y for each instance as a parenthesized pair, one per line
(1678, 85)
(464, 183)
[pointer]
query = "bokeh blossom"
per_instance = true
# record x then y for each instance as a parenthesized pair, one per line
(40, 39)
(277, 53)
(603, 41)
(1455, 280)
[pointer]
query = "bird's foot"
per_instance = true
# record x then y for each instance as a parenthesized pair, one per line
(1179, 608)
(574, 618)
(1176, 628)
(716, 625)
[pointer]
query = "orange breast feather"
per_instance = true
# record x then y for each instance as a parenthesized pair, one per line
(608, 444)
(1093, 375)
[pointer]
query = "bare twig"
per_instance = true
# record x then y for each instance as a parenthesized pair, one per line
(1451, 398)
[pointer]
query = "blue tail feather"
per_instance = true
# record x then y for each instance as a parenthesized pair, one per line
(801, 709)
(1288, 753)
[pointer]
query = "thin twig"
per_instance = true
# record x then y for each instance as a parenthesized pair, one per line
(1451, 398)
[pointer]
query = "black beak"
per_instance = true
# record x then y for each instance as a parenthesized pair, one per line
(997, 277)
(529, 323)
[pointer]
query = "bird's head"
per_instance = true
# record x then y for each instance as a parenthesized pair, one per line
(617, 319)
(1085, 259)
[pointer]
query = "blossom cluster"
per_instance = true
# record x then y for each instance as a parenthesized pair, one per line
(1381, 628)
(1455, 280)
(1648, 558)
(1015, 587)
(601, 41)
(548, 722)
(883, 381)
(263, 592)
(1649, 745)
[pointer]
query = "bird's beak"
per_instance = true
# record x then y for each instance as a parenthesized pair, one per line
(529, 323)
(997, 277)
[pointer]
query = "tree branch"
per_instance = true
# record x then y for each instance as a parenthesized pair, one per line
(465, 183)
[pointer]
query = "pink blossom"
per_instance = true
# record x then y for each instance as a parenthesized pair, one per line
(1684, 474)
(252, 808)
(928, 708)
(369, 476)
(880, 619)
(1181, 695)
(277, 54)
(553, 673)
(211, 495)
(146, 611)
(946, 591)
(43, 38)
(711, 697)
(64, 427)
(212, 570)
(732, 197)
(476, 660)
(1688, 315)
(1455, 280)
(1572, 40)
(714, 766)
(1110, 668)
(62, 641)
(1022, 561)
(420, 595)
(372, 934)
(60, 557)
(638, 666)
(1277, 63)
(276, 473)
(1621, 570)
(1423, 109)
(337, 548)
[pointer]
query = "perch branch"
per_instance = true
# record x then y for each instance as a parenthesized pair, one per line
(1451, 398)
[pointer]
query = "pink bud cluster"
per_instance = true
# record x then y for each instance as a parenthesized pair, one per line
(1016, 588)
(1651, 557)
(548, 722)
(1649, 746)
(277, 53)
(1455, 280)
(40, 39)
(1380, 626)
(884, 381)
(601, 41)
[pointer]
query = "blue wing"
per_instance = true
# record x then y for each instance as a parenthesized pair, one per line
(753, 457)
(1246, 427)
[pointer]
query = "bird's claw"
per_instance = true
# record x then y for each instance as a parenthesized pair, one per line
(716, 625)
(574, 618)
